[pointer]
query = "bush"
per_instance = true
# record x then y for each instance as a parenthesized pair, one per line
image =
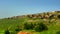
(26, 26)
(18, 29)
(7, 31)
(37, 27)
(58, 32)
(40, 27)
(31, 26)
(44, 27)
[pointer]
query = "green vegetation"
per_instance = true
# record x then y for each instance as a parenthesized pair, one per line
(41, 27)
(34, 22)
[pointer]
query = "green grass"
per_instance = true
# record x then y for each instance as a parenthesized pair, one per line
(12, 23)
(52, 30)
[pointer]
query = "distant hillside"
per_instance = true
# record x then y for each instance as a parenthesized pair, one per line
(44, 17)
(39, 15)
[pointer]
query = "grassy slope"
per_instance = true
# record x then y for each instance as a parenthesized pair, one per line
(7, 23)
(12, 23)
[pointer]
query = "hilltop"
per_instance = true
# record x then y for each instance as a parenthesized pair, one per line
(45, 15)
(38, 15)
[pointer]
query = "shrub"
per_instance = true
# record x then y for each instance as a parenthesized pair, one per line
(7, 32)
(18, 29)
(40, 27)
(31, 26)
(58, 32)
(26, 26)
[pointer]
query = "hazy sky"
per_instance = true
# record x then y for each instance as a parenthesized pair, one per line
(10, 8)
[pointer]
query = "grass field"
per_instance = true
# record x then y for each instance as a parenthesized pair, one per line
(52, 30)
(12, 23)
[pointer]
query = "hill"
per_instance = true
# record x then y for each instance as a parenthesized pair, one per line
(51, 19)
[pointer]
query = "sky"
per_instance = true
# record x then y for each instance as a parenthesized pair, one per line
(9, 8)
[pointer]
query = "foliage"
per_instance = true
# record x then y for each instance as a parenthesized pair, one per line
(58, 32)
(26, 26)
(7, 32)
(31, 26)
(41, 27)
